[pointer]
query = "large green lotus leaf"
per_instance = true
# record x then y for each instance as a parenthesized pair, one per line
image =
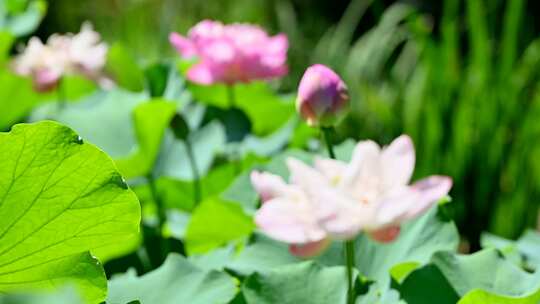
(120, 122)
(270, 144)
(194, 113)
(215, 223)
(206, 142)
(103, 118)
(305, 282)
(302, 135)
(261, 256)
(487, 270)
(175, 89)
(379, 294)
(59, 198)
(178, 197)
(17, 98)
(151, 119)
(74, 87)
(425, 284)
(479, 296)
(177, 222)
(264, 256)
(21, 20)
(485, 277)
(241, 192)
(258, 100)
(71, 89)
(216, 259)
(66, 295)
(6, 42)
(156, 75)
(417, 242)
(82, 270)
(525, 251)
(176, 281)
(179, 194)
(529, 246)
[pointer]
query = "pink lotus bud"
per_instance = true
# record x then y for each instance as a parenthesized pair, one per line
(322, 96)
(232, 53)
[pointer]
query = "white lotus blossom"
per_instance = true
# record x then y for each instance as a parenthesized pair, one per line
(338, 200)
(82, 53)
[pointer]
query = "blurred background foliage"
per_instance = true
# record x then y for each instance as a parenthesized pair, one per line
(461, 77)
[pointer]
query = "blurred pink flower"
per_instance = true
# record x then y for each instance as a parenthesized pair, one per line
(336, 200)
(87, 53)
(81, 53)
(232, 53)
(45, 64)
(322, 96)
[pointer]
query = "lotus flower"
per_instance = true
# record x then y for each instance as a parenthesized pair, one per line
(82, 53)
(45, 64)
(322, 96)
(87, 53)
(232, 53)
(338, 200)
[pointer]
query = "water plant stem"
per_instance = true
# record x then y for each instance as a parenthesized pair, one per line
(231, 96)
(349, 258)
(161, 215)
(327, 134)
(348, 246)
(197, 192)
(61, 95)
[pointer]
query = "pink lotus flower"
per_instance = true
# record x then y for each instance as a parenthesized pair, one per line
(82, 53)
(45, 64)
(322, 96)
(87, 53)
(336, 200)
(232, 53)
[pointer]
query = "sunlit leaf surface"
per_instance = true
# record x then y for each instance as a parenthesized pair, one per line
(60, 197)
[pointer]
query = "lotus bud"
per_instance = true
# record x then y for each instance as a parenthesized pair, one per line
(322, 97)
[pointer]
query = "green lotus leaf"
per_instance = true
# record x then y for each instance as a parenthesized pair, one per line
(215, 223)
(176, 281)
(60, 198)
(484, 277)
(306, 282)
